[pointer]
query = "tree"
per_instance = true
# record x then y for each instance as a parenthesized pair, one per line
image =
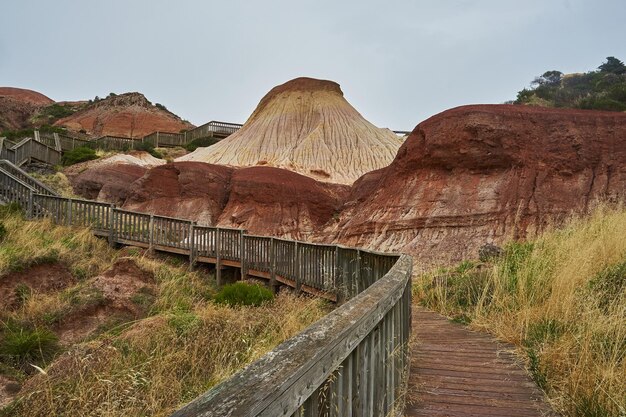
(613, 65)
(548, 79)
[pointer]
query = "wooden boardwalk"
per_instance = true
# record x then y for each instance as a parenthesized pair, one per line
(456, 372)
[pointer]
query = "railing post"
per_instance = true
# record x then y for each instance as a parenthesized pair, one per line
(111, 225)
(156, 144)
(151, 234)
(297, 268)
(30, 212)
(358, 274)
(68, 212)
(218, 258)
(339, 281)
(242, 255)
(192, 245)
(273, 285)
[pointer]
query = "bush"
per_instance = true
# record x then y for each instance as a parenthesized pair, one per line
(3, 231)
(148, 147)
(77, 155)
(22, 345)
(244, 294)
(200, 143)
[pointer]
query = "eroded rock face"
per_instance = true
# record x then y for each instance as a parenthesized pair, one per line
(273, 201)
(188, 190)
(478, 174)
(109, 179)
(126, 115)
(306, 126)
(262, 200)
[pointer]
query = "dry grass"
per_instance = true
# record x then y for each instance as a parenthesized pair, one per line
(159, 363)
(32, 242)
(151, 366)
(57, 181)
(562, 301)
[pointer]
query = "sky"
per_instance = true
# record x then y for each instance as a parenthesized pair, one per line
(398, 62)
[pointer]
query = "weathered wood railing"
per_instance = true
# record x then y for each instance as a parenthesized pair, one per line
(27, 149)
(352, 362)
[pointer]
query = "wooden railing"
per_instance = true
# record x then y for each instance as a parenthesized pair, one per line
(352, 362)
(26, 150)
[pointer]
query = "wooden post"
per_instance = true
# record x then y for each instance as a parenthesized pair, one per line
(242, 255)
(192, 246)
(339, 281)
(297, 267)
(156, 144)
(111, 225)
(30, 211)
(218, 258)
(68, 212)
(357, 273)
(273, 285)
(151, 234)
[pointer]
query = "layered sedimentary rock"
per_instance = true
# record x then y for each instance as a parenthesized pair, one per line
(109, 179)
(273, 201)
(306, 126)
(262, 200)
(478, 174)
(189, 190)
(126, 115)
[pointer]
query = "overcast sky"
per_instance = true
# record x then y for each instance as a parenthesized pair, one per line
(398, 62)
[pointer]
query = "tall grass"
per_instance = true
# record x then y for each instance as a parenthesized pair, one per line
(157, 364)
(150, 366)
(562, 301)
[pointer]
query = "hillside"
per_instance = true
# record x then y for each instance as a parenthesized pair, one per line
(306, 126)
(602, 89)
(18, 105)
(127, 115)
(479, 174)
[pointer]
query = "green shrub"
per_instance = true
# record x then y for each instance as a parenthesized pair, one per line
(148, 147)
(200, 143)
(24, 345)
(3, 231)
(77, 155)
(241, 293)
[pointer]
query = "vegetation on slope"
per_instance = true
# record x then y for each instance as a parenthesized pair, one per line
(603, 89)
(184, 344)
(562, 301)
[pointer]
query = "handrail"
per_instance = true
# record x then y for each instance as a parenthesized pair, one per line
(353, 361)
(22, 175)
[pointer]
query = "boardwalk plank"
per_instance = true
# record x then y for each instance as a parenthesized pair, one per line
(456, 372)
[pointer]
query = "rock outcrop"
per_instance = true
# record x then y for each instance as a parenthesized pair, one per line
(262, 200)
(481, 174)
(277, 202)
(306, 126)
(188, 190)
(126, 115)
(109, 179)
(18, 105)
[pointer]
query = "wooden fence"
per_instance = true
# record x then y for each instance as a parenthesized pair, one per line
(354, 361)
(26, 150)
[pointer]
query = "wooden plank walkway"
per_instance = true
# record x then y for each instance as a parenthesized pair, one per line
(456, 372)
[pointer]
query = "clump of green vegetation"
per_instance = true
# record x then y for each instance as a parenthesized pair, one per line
(244, 294)
(21, 345)
(603, 89)
(3, 231)
(200, 143)
(561, 300)
(77, 155)
(148, 147)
